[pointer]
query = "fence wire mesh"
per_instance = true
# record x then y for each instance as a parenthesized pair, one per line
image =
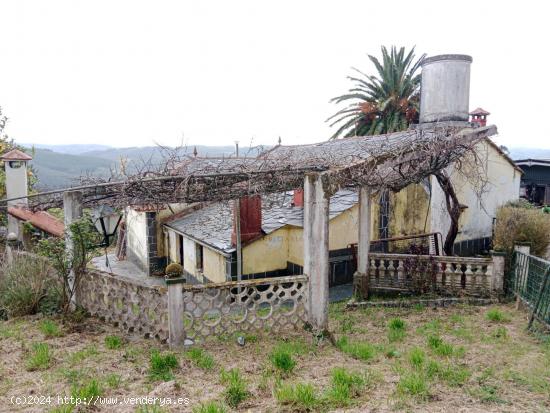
(531, 285)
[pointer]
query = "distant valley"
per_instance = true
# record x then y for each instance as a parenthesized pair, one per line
(58, 166)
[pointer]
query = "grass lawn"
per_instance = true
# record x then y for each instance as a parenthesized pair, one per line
(474, 359)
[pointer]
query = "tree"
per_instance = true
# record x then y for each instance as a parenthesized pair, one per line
(70, 264)
(383, 103)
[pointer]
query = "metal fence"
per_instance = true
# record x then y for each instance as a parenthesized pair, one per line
(531, 284)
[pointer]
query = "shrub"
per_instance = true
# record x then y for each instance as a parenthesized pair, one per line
(301, 397)
(282, 360)
(174, 270)
(50, 329)
(236, 388)
(200, 358)
(210, 407)
(162, 365)
(522, 225)
(113, 342)
(361, 350)
(40, 357)
(27, 286)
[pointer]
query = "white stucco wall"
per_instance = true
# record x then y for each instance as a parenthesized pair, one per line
(502, 185)
(136, 237)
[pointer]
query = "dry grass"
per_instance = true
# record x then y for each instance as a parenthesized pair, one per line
(492, 366)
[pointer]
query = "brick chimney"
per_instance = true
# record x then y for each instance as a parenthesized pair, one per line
(298, 199)
(479, 117)
(15, 163)
(250, 219)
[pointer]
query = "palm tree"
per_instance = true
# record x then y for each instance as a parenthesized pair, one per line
(385, 103)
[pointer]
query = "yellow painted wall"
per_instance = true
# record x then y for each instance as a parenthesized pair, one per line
(266, 254)
(214, 265)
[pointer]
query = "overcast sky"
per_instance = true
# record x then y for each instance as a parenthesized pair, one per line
(132, 73)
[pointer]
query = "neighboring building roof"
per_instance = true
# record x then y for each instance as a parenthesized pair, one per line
(531, 162)
(213, 224)
(16, 155)
(504, 155)
(479, 111)
(41, 220)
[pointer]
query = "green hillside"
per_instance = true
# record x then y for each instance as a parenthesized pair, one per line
(57, 170)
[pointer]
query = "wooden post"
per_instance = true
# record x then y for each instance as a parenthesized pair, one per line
(361, 276)
(176, 332)
(316, 250)
(72, 211)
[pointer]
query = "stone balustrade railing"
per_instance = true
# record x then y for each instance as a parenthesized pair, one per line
(437, 274)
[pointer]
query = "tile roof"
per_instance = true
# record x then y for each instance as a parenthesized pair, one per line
(16, 155)
(41, 220)
(479, 111)
(213, 224)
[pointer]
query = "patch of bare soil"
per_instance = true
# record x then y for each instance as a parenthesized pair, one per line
(501, 366)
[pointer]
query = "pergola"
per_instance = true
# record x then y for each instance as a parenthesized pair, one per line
(368, 163)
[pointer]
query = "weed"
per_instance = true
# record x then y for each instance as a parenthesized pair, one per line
(40, 357)
(210, 407)
(200, 358)
(282, 360)
(496, 316)
(88, 391)
(131, 354)
(301, 397)
(50, 329)
(396, 324)
(439, 347)
(113, 342)
(236, 388)
(347, 324)
(344, 386)
(361, 350)
(150, 408)
(414, 384)
(161, 366)
(113, 380)
(392, 353)
(417, 357)
(500, 333)
(81, 355)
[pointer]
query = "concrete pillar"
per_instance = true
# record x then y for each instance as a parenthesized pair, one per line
(361, 276)
(497, 277)
(72, 210)
(176, 332)
(316, 248)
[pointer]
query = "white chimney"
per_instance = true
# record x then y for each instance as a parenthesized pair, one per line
(445, 88)
(15, 163)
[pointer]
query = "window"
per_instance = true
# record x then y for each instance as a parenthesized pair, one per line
(180, 252)
(198, 257)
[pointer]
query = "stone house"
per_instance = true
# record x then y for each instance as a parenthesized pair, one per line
(201, 237)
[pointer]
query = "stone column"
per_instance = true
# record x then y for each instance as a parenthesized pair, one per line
(72, 210)
(497, 277)
(316, 248)
(361, 276)
(176, 332)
